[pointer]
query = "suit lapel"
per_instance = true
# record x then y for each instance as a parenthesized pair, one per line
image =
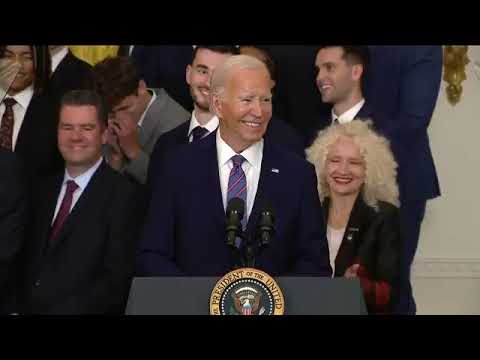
(212, 176)
(151, 116)
(46, 210)
(366, 112)
(93, 193)
(266, 186)
(352, 236)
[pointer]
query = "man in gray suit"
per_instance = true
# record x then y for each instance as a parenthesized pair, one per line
(138, 115)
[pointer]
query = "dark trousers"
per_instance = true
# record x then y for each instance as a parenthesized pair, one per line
(411, 217)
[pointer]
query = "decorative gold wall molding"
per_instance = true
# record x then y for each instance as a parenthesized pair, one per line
(455, 58)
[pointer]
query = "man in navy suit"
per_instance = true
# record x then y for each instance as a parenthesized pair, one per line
(403, 117)
(79, 252)
(203, 121)
(184, 232)
(13, 221)
(403, 82)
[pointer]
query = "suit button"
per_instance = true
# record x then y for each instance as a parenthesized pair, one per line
(37, 283)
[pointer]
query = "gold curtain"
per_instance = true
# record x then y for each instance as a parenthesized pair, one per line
(93, 54)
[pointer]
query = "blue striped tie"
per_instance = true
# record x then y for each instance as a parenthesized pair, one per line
(237, 184)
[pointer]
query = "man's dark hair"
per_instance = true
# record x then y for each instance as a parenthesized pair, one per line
(353, 55)
(114, 79)
(221, 49)
(85, 98)
(41, 66)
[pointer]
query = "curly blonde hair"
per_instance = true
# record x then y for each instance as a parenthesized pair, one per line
(381, 167)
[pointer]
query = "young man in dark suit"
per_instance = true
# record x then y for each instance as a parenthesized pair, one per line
(13, 218)
(83, 235)
(203, 121)
(185, 228)
(29, 111)
(401, 86)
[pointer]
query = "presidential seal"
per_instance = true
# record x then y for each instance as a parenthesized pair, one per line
(246, 291)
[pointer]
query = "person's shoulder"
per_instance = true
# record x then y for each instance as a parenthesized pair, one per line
(177, 134)
(74, 59)
(388, 209)
(120, 184)
(166, 101)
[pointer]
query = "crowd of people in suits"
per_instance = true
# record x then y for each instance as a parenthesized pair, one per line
(126, 168)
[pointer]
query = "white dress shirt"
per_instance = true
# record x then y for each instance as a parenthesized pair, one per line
(251, 167)
(211, 126)
(81, 181)
(58, 57)
(348, 115)
(23, 99)
(152, 100)
(334, 237)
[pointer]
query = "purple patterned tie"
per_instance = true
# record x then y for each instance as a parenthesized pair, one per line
(6, 129)
(237, 184)
(64, 208)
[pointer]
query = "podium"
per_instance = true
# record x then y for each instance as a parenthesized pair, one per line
(191, 296)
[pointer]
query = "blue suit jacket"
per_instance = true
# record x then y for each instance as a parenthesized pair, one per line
(402, 83)
(184, 232)
(278, 132)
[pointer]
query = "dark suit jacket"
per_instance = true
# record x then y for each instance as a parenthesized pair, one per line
(71, 74)
(37, 139)
(13, 217)
(185, 227)
(403, 82)
(89, 266)
(278, 132)
(372, 239)
(296, 97)
(164, 66)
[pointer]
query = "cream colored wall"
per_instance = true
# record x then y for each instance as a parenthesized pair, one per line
(446, 273)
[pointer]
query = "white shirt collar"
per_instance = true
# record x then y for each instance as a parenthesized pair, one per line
(211, 126)
(24, 97)
(58, 57)
(253, 154)
(348, 115)
(154, 96)
(83, 179)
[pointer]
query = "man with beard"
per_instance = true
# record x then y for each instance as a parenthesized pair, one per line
(205, 60)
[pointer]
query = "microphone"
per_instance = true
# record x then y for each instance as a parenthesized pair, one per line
(234, 216)
(265, 226)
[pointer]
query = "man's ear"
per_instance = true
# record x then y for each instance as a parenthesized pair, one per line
(216, 104)
(357, 72)
(104, 134)
(187, 73)
(142, 87)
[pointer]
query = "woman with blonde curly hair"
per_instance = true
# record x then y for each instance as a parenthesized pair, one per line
(357, 184)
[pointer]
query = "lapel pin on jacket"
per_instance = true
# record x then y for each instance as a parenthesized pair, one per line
(275, 170)
(351, 230)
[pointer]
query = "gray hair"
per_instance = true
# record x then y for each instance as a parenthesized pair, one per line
(222, 73)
